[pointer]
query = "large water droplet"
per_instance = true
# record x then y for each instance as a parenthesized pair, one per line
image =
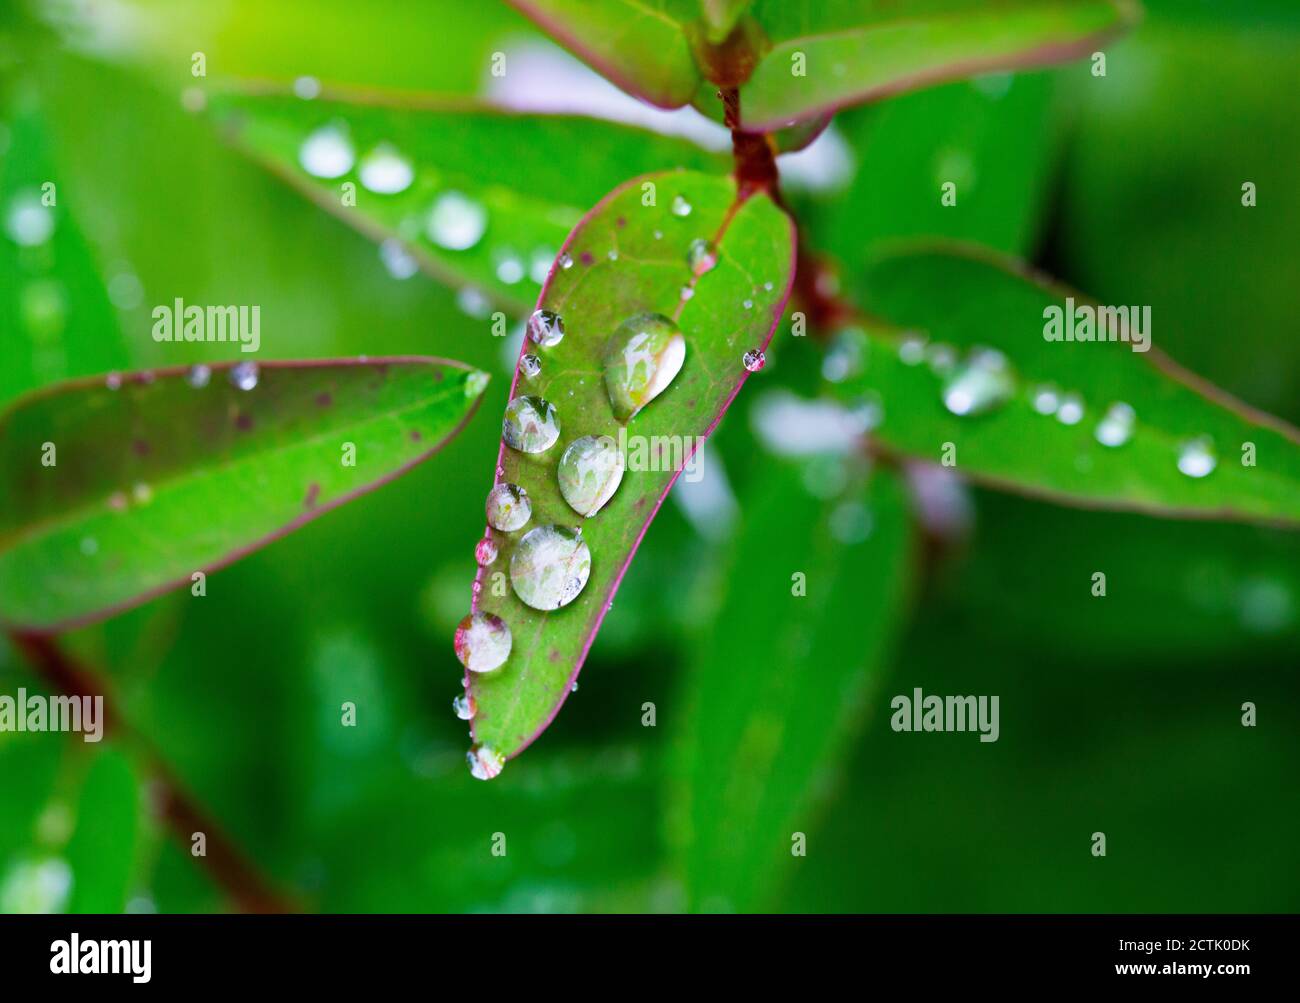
(456, 222)
(465, 706)
(244, 375)
(385, 171)
(550, 567)
(643, 356)
(485, 763)
(680, 206)
(28, 222)
(1196, 457)
(531, 424)
(508, 508)
(545, 328)
(590, 471)
(482, 642)
(702, 256)
(981, 383)
(754, 360)
(1116, 426)
(327, 152)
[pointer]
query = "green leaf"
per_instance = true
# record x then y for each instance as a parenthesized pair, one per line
(492, 193)
(850, 51)
(733, 308)
(105, 841)
(814, 593)
(964, 300)
(110, 496)
(641, 45)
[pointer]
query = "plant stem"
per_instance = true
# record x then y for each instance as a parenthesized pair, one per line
(229, 869)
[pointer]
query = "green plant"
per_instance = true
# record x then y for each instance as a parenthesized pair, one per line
(934, 351)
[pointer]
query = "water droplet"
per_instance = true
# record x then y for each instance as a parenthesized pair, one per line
(1046, 399)
(754, 360)
(531, 424)
(27, 222)
(473, 302)
(687, 292)
(590, 471)
(485, 763)
(1116, 427)
(307, 88)
(36, 887)
(244, 375)
(702, 256)
(1070, 410)
(113, 381)
(911, 350)
(980, 384)
(475, 383)
(465, 707)
(747, 304)
(456, 222)
(545, 328)
(767, 286)
(681, 207)
(851, 522)
(384, 171)
(89, 546)
(142, 493)
(613, 254)
(508, 508)
(846, 356)
(485, 552)
(642, 358)
(327, 152)
(482, 642)
(942, 359)
(530, 366)
(540, 266)
(199, 376)
(565, 260)
(1196, 457)
(550, 567)
(510, 268)
(400, 262)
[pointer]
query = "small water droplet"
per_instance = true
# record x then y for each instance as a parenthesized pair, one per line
(475, 383)
(545, 328)
(327, 152)
(113, 381)
(307, 88)
(384, 171)
(767, 286)
(510, 268)
(530, 366)
(1046, 399)
(508, 507)
(981, 383)
(485, 552)
(846, 356)
(754, 360)
(36, 887)
(89, 546)
(244, 375)
(1196, 457)
(942, 359)
(589, 473)
(550, 567)
(485, 763)
(199, 376)
(400, 262)
(473, 302)
(680, 207)
(851, 522)
(142, 493)
(687, 292)
(911, 350)
(456, 222)
(482, 642)
(1116, 427)
(747, 304)
(28, 222)
(613, 254)
(1070, 410)
(702, 256)
(531, 424)
(565, 260)
(642, 358)
(465, 707)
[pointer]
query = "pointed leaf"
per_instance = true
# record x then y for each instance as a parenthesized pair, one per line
(1181, 451)
(110, 496)
(815, 591)
(827, 54)
(490, 194)
(731, 309)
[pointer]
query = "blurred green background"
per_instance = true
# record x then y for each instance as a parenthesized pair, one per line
(1120, 715)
